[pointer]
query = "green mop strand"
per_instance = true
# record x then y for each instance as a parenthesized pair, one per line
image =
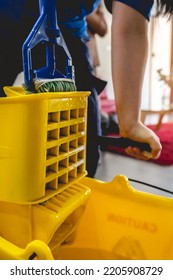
(55, 85)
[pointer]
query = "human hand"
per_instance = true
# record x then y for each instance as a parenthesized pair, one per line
(140, 133)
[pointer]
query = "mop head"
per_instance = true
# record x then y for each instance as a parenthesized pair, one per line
(55, 85)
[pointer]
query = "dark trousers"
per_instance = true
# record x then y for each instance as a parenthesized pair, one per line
(86, 81)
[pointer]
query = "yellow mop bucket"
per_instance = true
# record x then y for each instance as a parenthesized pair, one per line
(42, 143)
(122, 223)
(42, 159)
(44, 191)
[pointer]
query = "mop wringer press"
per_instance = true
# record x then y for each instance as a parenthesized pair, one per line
(47, 32)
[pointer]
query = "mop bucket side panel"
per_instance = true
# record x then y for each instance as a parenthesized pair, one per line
(22, 162)
(16, 223)
(122, 223)
(62, 214)
(47, 135)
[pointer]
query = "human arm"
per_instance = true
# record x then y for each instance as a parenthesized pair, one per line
(129, 56)
(96, 22)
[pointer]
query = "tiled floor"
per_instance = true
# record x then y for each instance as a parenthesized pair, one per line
(113, 164)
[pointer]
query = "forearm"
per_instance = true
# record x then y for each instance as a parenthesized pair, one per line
(129, 54)
(97, 23)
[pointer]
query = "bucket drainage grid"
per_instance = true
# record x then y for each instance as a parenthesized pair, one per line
(65, 154)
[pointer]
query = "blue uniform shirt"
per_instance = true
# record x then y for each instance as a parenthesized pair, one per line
(142, 6)
(11, 8)
(72, 15)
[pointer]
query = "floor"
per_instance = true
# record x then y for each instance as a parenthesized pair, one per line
(112, 164)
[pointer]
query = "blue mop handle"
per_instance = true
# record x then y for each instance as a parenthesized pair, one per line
(49, 7)
(45, 30)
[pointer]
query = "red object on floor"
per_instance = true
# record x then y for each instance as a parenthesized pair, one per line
(107, 105)
(165, 134)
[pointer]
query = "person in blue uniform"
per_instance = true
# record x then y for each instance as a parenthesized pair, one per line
(129, 52)
(73, 25)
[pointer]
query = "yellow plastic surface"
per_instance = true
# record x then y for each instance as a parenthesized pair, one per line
(34, 250)
(44, 191)
(42, 143)
(53, 221)
(122, 223)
